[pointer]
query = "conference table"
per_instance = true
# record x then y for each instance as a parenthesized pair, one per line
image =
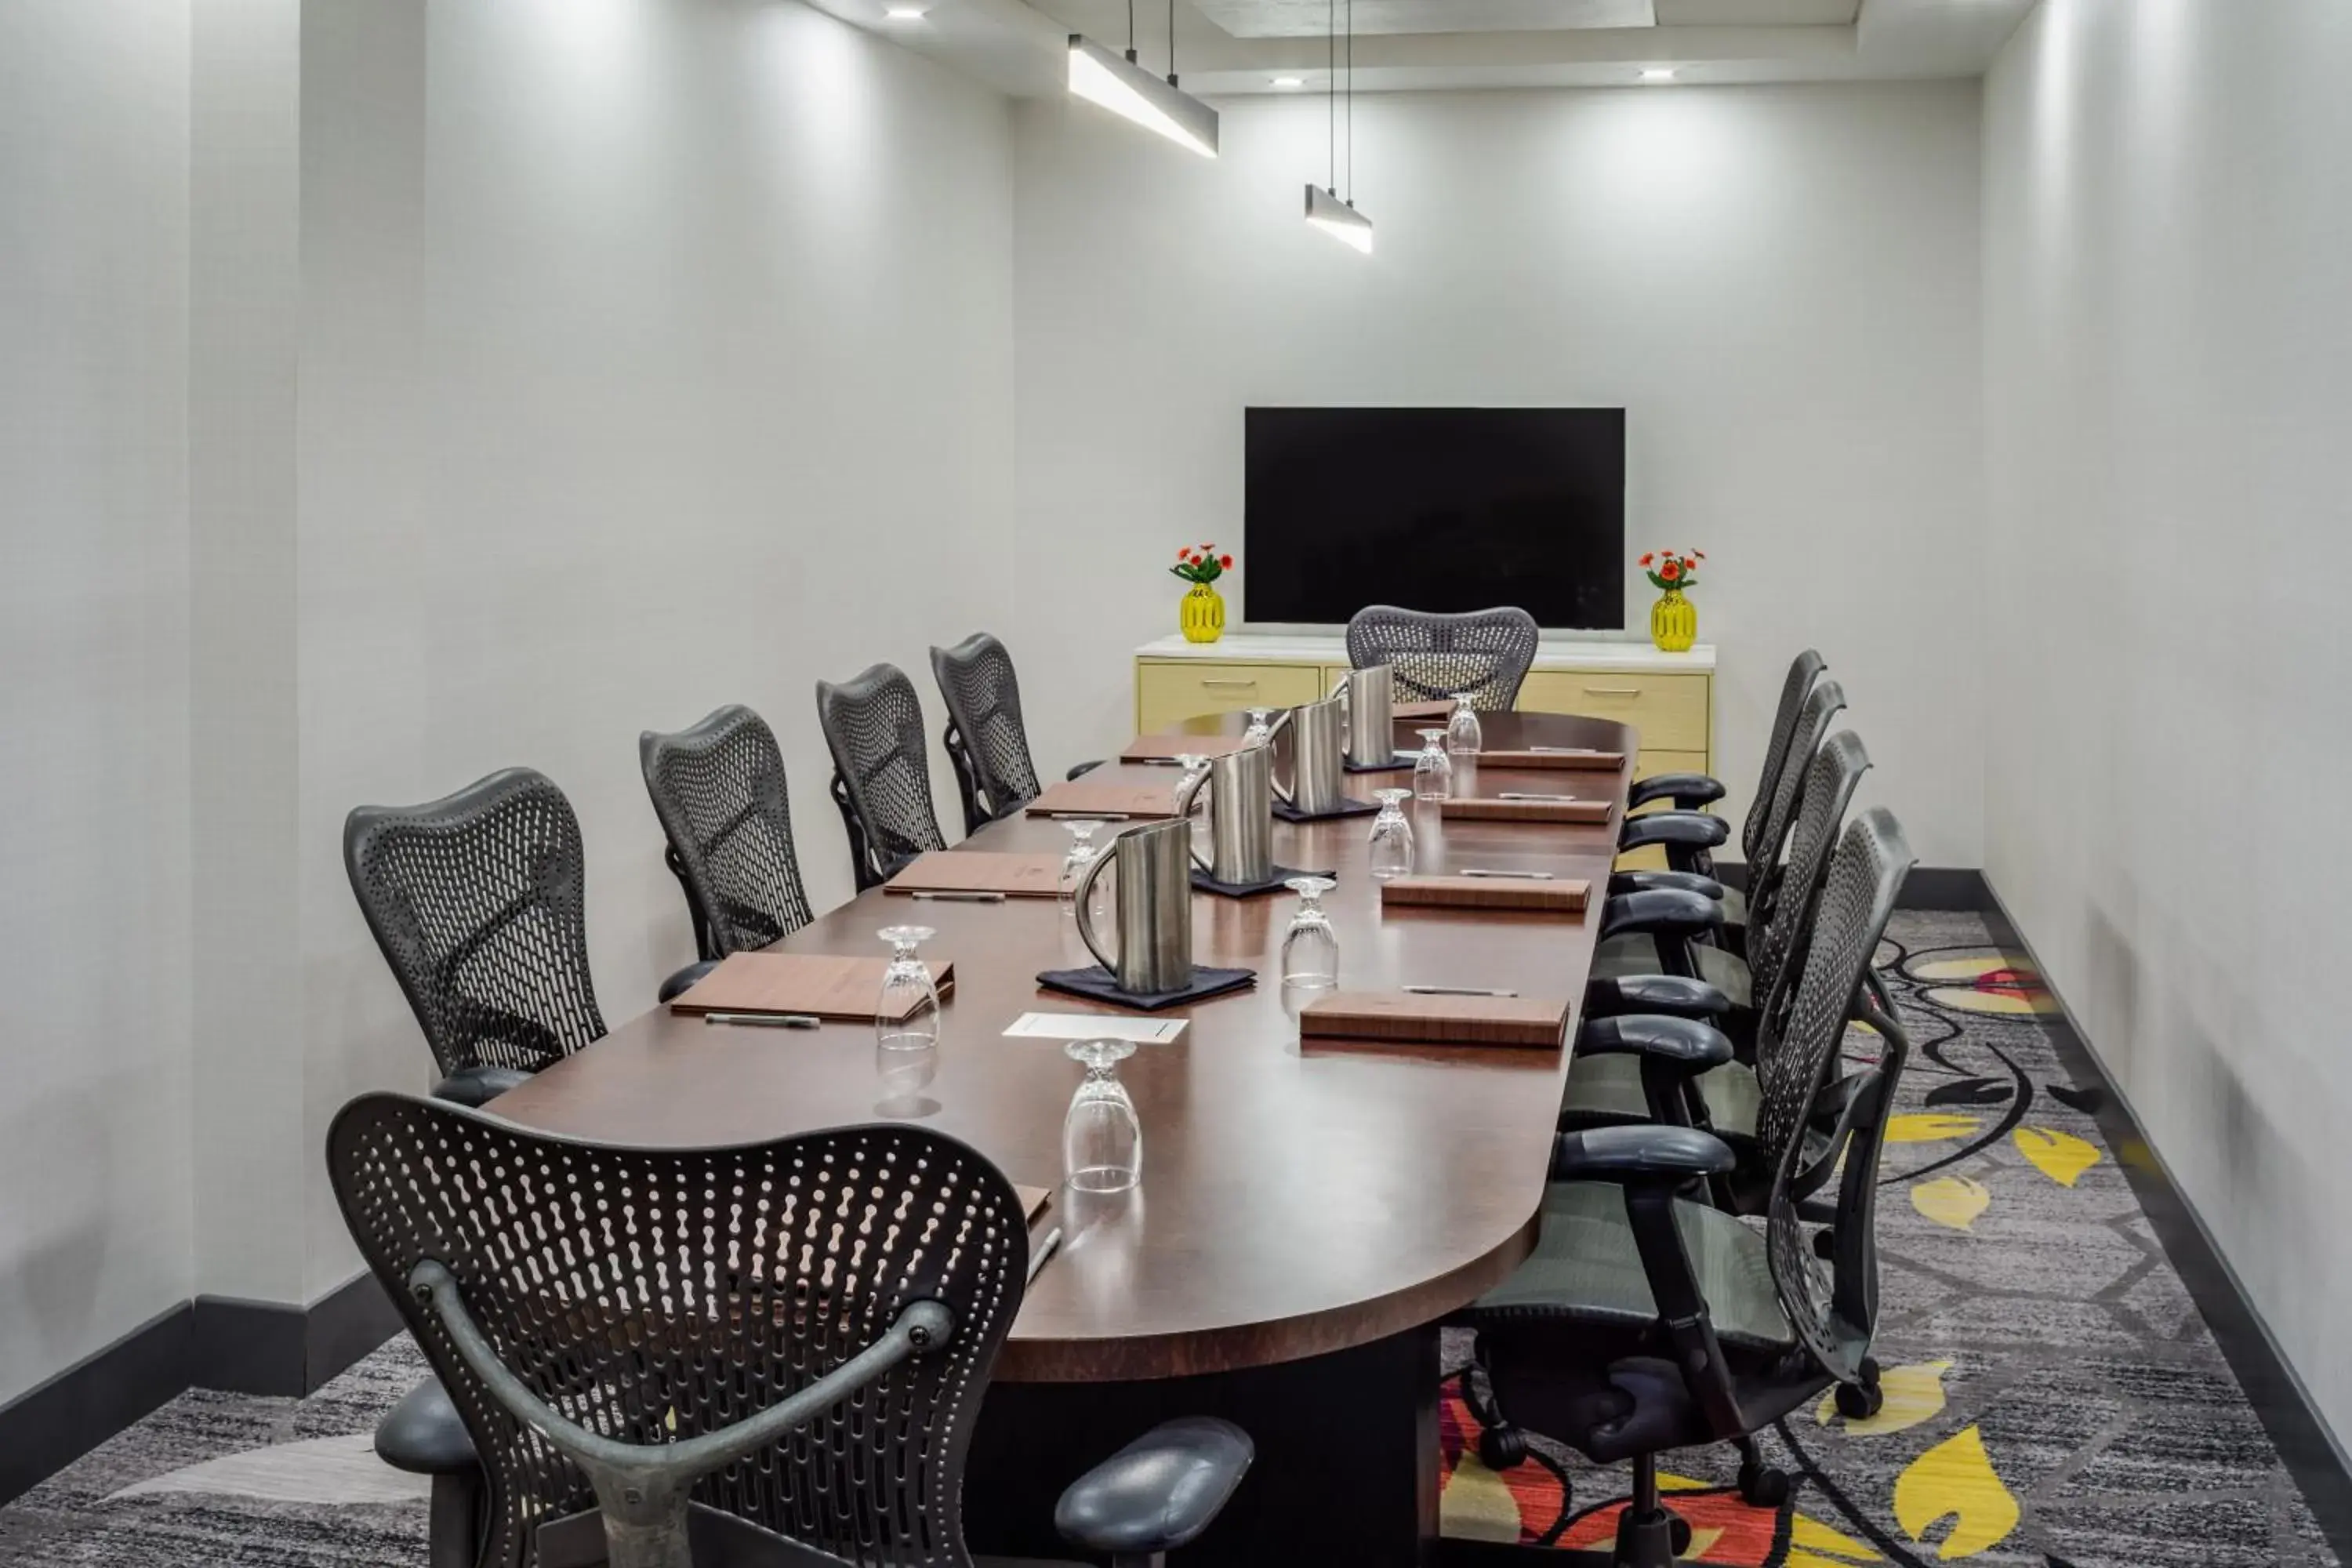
(1307, 1214)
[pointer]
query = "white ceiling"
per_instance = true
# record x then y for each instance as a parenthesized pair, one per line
(1225, 48)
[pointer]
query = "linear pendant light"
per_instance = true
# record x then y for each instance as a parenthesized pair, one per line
(1125, 88)
(1326, 209)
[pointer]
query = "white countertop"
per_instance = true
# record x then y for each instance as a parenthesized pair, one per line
(1562, 652)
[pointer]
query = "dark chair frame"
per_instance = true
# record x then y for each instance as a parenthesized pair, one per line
(873, 725)
(1487, 653)
(986, 739)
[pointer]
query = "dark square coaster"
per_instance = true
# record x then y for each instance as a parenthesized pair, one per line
(1285, 812)
(1098, 984)
(1403, 763)
(1282, 874)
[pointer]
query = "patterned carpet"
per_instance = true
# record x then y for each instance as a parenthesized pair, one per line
(2054, 1399)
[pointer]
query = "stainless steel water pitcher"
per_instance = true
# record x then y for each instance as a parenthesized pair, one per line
(1370, 697)
(1318, 755)
(1241, 816)
(1153, 907)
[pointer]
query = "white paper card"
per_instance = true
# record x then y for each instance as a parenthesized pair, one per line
(1095, 1026)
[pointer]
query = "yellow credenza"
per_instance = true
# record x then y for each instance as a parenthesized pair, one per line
(1667, 697)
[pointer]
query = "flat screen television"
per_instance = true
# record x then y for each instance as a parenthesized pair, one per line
(1434, 509)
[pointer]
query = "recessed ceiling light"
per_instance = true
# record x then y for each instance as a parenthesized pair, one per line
(906, 13)
(1657, 73)
(1290, 81)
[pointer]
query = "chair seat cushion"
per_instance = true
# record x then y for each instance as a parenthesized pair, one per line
(1161, 1491)
(1605, 1089)
(423, 1434)
(1586, 1269)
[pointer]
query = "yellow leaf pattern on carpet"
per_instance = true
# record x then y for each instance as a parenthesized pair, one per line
(1811, 1541)
(1929, 1127)
(2060, 1156)
(1955, 1480)
(1475, 1505)
(1914, 1394)
(1953, 1201)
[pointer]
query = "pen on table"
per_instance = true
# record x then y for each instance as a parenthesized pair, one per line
(1515, 876)
(1520, 795)
(954, 897)
(1456, 991)
(1044, 1250)
(1156, 762)
(765, 1020)
(1089, 816)
(1568, 751)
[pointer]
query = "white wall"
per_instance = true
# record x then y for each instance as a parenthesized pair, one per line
(1780, 284)
(94, 924)
(2167, 223)
(658, 354)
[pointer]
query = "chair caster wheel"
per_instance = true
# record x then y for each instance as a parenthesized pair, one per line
(1678, 1532)
(1762, 1486)
(1650, 1541)
(1861, 1401)
(1825, 1245)
(1502, 1448)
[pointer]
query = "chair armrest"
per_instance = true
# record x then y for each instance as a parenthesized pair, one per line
(1158, 1494)
(1641, 1156)
(1687, 791)
(1084, 768)
(1660, 911)
(476, 1087)
(1676, 830)
(1684, 1042)
(1624, 882)
(1677, 994)
(685, 980)
(423, 1434)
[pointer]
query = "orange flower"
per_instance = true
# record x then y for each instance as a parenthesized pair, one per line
(1226, 562)
(1650, 557)
(1670, 570)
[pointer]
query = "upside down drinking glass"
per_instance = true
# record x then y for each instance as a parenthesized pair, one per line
(1102, 1138)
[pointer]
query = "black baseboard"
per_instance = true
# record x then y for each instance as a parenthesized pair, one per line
(213, 1341)
(1927, 887)
(2303, 1440)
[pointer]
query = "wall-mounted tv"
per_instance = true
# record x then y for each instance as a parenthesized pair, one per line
(1436, 508)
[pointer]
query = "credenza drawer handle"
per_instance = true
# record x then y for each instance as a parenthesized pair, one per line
(1613, 691)
(1207, 680)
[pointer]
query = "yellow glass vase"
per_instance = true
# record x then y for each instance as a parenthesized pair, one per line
(1673, 622)
(1201, 613)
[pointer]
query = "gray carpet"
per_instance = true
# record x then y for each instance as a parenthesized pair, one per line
(2055, 1399)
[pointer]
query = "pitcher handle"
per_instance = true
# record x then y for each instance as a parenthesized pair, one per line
(1282, 792)
(1083, 897)
(1186, 794)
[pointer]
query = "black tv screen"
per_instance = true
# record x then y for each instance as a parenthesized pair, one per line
(1436, 508)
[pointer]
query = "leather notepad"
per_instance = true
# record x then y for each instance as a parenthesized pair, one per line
(1167, 748)
(1555, 757)
(1562, 896)
(1406, 1017)
(821, 984)
(980, 871)
(1489, 809)
(1107, 798)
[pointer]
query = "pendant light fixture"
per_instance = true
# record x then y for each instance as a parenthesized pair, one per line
(1326, 208)
(1123, 86)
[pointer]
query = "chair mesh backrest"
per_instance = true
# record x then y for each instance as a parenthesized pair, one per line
(1830, 1310)
(1806, 669)
(1485, 652)
(719, 789)
(1823, 704)
(651, 1295)
(1827, 789)
(983, 699)
(874, 725)
(478, 901)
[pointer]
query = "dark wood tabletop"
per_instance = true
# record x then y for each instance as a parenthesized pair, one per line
(1294, 1201)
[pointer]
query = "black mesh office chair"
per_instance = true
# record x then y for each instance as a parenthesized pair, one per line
(1692, 792)
(1645, 1321)
(1484, 652)
(722, 1357)
(1650, 1070)
(881, 776)
(478, 902)
(985, 738)
(719, 790)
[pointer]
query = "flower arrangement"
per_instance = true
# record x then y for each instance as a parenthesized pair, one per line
(1200, 563)
(1673, 570)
